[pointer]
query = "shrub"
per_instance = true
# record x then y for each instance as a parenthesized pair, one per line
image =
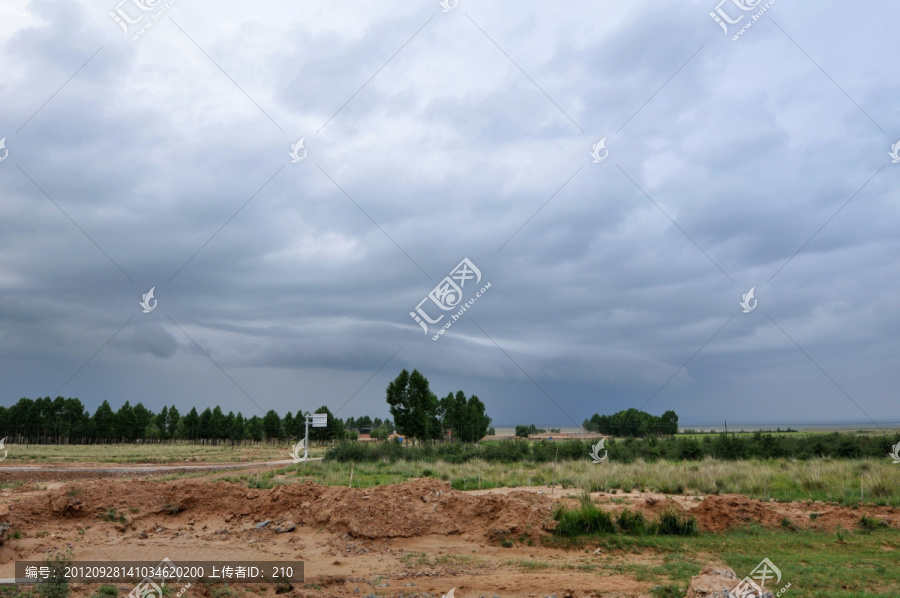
(113, 516)
(57, 584)
(584, 521)
(632, 523)
(669, 591)
(673, 523)
(870, 523)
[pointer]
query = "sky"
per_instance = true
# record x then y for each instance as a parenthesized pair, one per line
(295, 181)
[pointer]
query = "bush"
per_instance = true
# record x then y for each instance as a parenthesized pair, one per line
(57, 584)
(870, 523)
(113, 516)
(586, 520)
(669, 591)
(632, 523)
(673, 523)
(106, 591)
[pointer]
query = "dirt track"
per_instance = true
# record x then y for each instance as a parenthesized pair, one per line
(35, 473)
(418, 537)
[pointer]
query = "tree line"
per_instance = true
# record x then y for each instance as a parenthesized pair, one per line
(418, 415)
(633, 422)
(67, 421)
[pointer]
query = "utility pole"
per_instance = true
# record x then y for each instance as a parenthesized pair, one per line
(306, 438)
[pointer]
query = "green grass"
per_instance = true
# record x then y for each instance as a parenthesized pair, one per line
(632, 523)
(827, 480)
(529, 565)
(588, 520)
(113, 516)
(856, 564)
(668, 591)
(106, 591)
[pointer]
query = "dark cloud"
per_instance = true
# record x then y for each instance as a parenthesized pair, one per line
(613, 284)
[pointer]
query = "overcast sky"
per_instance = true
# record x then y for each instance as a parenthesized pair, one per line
(160, 157)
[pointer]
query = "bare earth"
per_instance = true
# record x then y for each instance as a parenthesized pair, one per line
(420, 538)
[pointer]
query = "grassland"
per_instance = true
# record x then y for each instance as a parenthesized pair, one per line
(782, 479)
(845, 564)
(147, 454)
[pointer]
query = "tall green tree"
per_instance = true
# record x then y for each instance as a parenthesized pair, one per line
(272, 425)
(228, 426)
(173, 421)
(238, 428)
(192, 424)
(413, 406)
(125, 422)
(254, 428)
(669, 423)
(205, 425)
(104, 422)
(161, 420)
(287, 424)
(217, 424)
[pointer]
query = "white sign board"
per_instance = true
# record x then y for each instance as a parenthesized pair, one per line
(320, 420)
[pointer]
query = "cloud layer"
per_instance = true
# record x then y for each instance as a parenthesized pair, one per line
(164, 162)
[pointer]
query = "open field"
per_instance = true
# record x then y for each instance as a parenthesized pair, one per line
(171, 453)
(420, 528)
(782, 479)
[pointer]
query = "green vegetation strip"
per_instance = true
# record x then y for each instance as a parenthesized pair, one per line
(786, 480)
(850, 564)
(675, 448)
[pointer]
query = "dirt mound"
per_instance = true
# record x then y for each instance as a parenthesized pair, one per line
(651, 506)
(718, 513)
(416, 508)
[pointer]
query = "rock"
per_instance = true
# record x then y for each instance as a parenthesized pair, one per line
(143, 535)
(4, 533)
(714, 581)
(550, 525)
(598, 551)
(286, 526)
(4, 513)
(263, 524)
